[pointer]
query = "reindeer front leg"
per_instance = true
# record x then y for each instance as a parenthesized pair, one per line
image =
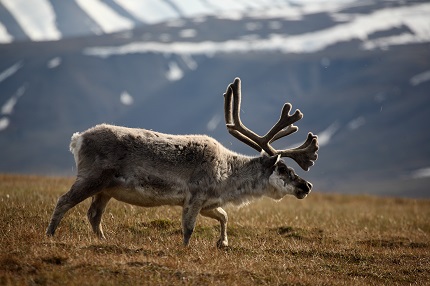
(191, 209)
(220, 215)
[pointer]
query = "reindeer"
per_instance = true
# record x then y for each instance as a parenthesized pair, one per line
(147, 168)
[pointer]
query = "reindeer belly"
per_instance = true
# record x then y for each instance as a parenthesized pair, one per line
(146, 197)
(138, 192)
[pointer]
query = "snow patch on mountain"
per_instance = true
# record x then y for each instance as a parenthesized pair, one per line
(213, 122)
(106, 18)
(415, 17)
(187, 33)
(54, 62)
(149, 11)
(421, 173)
(5, 37)
(126, 98)
(386, 42)
(4, 123)
(9, 105)
(359, 28)
(10, 71)
(174, 72)
(35, 17)
(325, 136)
(193, 8)
(420, 78)
(189, 61)
(356, 123)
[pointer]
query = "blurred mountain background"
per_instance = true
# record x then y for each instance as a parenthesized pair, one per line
(358, 70)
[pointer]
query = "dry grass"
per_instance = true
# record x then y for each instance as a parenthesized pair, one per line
(322, 240)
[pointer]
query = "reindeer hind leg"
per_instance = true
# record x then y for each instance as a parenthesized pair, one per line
(190, 211)
(96, 211)
(81, 189)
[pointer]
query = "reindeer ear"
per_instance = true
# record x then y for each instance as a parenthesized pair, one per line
(271, 161)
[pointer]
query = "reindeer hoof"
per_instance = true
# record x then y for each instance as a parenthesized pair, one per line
(222, 243)
(49, 232)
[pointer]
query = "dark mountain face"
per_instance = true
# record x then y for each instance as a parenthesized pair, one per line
(369, 106)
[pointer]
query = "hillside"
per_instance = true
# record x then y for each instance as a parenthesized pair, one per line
(358, 72)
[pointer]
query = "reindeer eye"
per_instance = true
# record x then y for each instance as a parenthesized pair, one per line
(282, 170)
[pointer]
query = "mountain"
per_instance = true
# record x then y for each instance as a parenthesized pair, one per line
(360, 73)
(45, 20)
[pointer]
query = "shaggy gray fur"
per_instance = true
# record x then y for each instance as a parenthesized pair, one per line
(147, 168)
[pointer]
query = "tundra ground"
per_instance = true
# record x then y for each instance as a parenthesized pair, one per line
(326, 239)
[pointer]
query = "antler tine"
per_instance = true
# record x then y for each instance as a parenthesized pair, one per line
(228, 115)
(290, 129)
(237, 97)
(305, 154)
(231, 114)
(284, 126)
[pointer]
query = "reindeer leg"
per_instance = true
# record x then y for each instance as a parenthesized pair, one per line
(82, 189)
(190, 211)
(220, 215)
(96, 211)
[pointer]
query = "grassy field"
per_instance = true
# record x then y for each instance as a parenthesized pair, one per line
(322, 240)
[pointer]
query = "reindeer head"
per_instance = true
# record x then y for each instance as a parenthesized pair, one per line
(285, 181)
(283, 178)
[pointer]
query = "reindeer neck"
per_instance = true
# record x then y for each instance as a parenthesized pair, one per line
(247, 179)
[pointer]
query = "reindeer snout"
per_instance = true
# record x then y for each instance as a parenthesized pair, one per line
(304, 190)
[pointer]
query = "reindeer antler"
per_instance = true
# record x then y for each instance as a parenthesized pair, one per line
(304, 155)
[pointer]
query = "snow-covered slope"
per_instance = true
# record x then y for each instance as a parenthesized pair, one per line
(414, 20)
(35, 17)
(46, 20)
